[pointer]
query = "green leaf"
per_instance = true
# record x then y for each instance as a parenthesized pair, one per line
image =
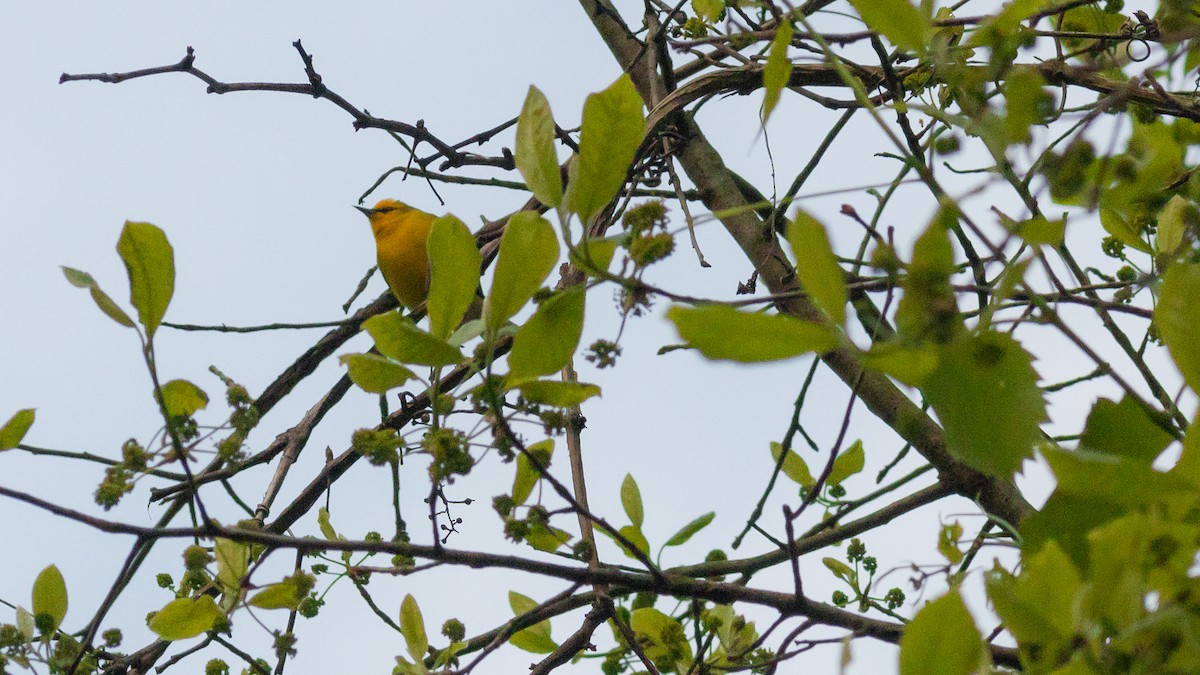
(688, 531)
(398, 338)
(794, 466)
(663, 638)
(1188, 466)
(1038, 231)
(527, 474)
(412, 627)
(559, 394)
(947, 545)
(986, 381)
(536, 638)
(374, 373)
(1115, 479)
(1178, 315)
(942, 638)
(593, 256)
(1039, 606)
(1116, 225)
(708, 10)
(1024, 100)
(636, 537)
(817, 267)
(186, 618)
(721, 332)
(182, 398)
(535, 156)
(233, 563)
(50, 598)
(848, 463)
(928, 309)
(631, 500)
(840, 570)
(454, 263)
(528, 252)
(283, 595)
(1176, 219)
(150, 262)
(26, 624)
(1123, 430)
(106, 304)
(547, 539)
(778, 70)
(1067, 519)
(15, 428)
(326, 526)
(909, 365)
(611, 133)
(547, 341)
(898, 20)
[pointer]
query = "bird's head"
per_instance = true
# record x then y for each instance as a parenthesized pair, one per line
(385, 211)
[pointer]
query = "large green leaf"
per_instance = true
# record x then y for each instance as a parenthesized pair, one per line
(778, 70)
(1118, 226)
(1178, 220)
(1023, 97)
(985, 393)
(398, 338)
(898, 20)
(608, 140)
(528, 252)
(928, 309)
(817, 267)
(1178, 316)
(663, 638)
(535, 638)
(233, 563)
(721, 332)
(283, 595)
(150, 261)
(547, 341)
(708, 10)
(412, 627)
(535, 156)
(454, 263)
(631, 500)
(942, 638)
(81, 279)
(374, 373)
(1123, 430)
(15, 428)
(182, 398)
(186, 618)
(559, 394)
(1039, 606)
(49, 599)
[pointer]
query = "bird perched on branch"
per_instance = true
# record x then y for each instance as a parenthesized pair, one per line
(401, 232)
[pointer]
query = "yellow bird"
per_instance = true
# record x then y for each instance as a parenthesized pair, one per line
(401, 232)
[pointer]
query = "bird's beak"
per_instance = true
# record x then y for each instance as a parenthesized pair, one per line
(365, 211)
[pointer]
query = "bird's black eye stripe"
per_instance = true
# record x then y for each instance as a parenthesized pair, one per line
(385, 209)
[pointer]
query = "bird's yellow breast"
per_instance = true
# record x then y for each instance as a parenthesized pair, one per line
(401, 233)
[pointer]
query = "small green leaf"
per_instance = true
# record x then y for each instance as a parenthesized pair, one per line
(947, 545)
(1116, 225)
(848, 463)
(412, 626)
(536, 638)
(608, 140)
(50, 598)
(1178, 315)
(527, 474)
(1039, 231)
(631, 500)
(840, 570)
(688, 531)
(535, 156)
(899, 21)
(665, 639)
(15, 428)
(928, 309)
(1123, 430)
(547, 341)
(26, 624)
(778, 70)
(283, 595)
(398, 338)
(1039, 606)
(374, 373)
(1024, 99)
(454, 263)
(635, 536)
(546, 539)
(182, 398)
(708, 10)
(233, 563)
(326, 526)
(942, 638)
(794, 466)
(593, 256)
(150, 262)
(987, 382)
(1176, 221)
(106, 304)
(909, 365)
(721, 332)
(559, 394)
(186, 618)
(528, 252)
(817, 267)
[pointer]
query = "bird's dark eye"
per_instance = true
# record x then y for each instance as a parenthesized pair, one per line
(385, 209)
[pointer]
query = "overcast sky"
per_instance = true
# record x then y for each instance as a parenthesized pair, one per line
(254, 191)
